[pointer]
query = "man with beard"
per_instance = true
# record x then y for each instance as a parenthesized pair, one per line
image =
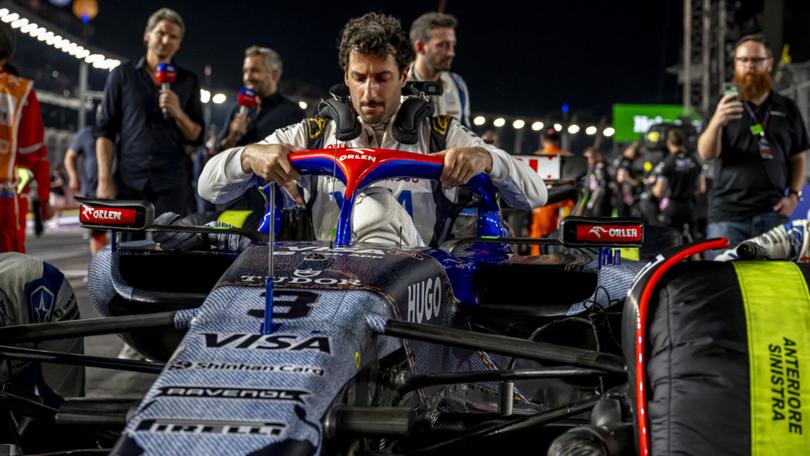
(152, 124)
(433, 36)
(758, 142)
(374, 54)
(261, 72)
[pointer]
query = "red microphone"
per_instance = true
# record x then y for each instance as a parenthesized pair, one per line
(246, 99)
(165, 76)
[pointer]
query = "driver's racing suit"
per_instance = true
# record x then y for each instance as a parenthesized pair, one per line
(33, 291)
(223, 179)
(790, 241)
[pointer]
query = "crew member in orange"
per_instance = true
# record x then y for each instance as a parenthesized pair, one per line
(22, 144)
(546, 219)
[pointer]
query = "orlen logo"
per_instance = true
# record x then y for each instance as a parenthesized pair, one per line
(609, 233)
(107, 216)
(357, 154)
(597, 231)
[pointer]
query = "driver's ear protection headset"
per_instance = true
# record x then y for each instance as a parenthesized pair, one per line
(406, 123)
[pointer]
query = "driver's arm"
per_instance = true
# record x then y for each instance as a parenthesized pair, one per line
(225, 176)
(518, 185)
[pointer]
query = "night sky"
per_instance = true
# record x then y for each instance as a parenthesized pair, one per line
(518, 58)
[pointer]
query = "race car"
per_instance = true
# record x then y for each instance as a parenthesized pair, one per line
(346, 348)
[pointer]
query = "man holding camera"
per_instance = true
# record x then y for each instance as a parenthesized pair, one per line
(758, 139)
(433, 37)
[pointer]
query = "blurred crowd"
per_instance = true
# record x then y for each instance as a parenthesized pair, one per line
(660, 179)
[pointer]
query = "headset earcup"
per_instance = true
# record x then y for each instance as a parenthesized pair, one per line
(410, 115)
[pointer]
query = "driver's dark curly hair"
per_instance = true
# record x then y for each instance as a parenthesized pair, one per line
(375, 33)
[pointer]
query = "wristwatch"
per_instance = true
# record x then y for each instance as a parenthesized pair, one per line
(798, 194)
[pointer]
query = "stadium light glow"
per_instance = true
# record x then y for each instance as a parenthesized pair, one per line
(499, 122)
(608, 132)
(42, 34)
(573, 129)
(479, 120)
(518, 124)
(219, 98)
(19, 23)
(558, 127)
(39, 33)
(537, 126)
(302, 104)
(590, 131)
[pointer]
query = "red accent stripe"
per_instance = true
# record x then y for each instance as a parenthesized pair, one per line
(641, 335)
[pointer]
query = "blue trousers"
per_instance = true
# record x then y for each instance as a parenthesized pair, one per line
(738, 231)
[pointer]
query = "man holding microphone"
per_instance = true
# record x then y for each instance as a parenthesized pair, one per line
(262, 110)
(152, 106)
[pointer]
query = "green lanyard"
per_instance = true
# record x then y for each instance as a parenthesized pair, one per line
(758, 129)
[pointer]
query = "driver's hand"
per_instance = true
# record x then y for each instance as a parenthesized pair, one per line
(461, 164)
(270, 162)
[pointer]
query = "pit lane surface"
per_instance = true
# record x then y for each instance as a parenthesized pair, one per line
(64, 247)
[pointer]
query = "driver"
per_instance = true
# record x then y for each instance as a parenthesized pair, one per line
(374, 54)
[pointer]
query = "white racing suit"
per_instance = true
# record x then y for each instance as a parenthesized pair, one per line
(376, 218)
(790, 241)
(455, 98)
(33, 291)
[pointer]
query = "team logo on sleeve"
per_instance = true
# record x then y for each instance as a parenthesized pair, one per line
(42, 300)
(315, 127)
(441, 124)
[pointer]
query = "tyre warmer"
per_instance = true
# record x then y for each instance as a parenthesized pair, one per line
(718, 363)
(635, 324)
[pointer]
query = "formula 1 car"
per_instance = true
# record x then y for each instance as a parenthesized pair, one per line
(361, 349)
